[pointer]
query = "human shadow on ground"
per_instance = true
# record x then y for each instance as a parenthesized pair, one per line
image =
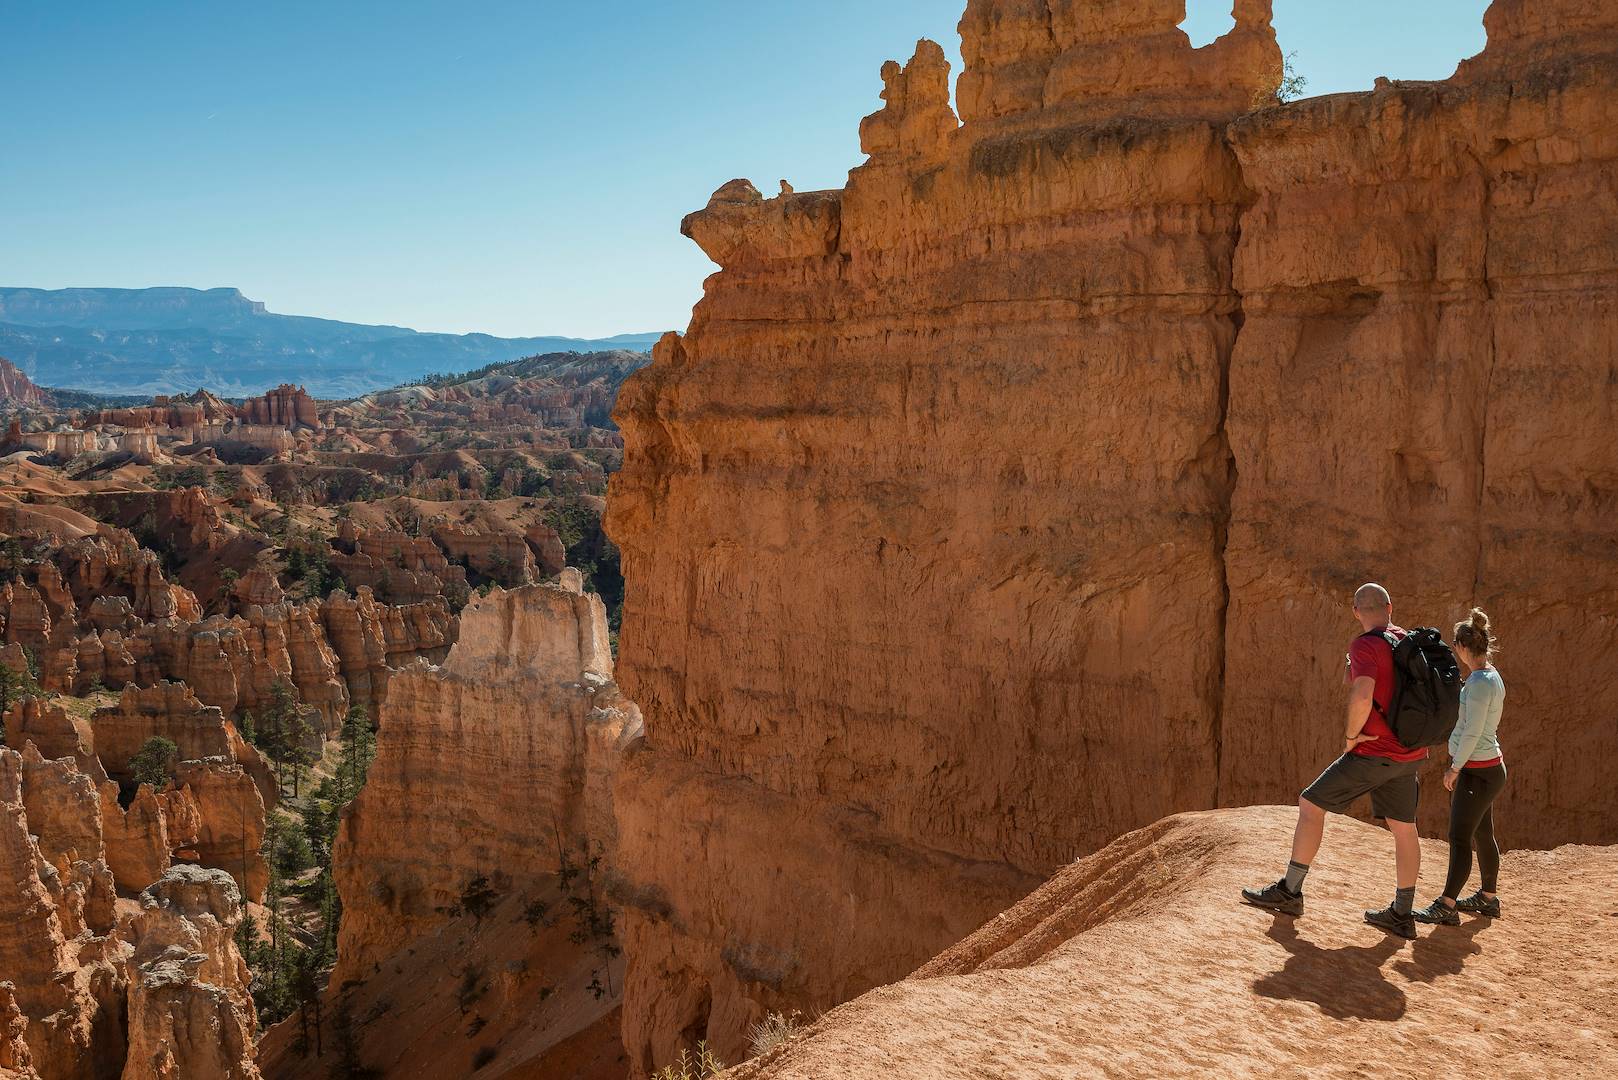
(1344, 983)
(1442, 950)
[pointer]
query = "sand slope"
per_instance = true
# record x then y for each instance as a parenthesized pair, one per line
(1139, 961)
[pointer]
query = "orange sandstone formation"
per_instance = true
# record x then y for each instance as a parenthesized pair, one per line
(523, 713)
(914, 516)
(17, 389)
(72, 969)
(190, 1014)
(16, 1062)
(213, 814)
(1009, 498)
(480, 845)
(142, 838)
(286, 406)
(1429, 276)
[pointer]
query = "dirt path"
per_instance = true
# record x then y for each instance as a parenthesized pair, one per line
(1139, 961)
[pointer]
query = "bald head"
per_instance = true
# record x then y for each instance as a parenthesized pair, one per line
(1372, 598)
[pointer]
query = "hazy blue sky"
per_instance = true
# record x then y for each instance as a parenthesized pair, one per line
(504, 166)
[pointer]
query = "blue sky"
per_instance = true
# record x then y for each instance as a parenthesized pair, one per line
(510, 167)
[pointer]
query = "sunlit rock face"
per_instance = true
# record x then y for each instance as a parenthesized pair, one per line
(486, 764)
(1010, 497)
(1420, 394)
(87, 989)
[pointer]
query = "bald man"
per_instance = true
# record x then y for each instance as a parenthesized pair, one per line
(1373, 763)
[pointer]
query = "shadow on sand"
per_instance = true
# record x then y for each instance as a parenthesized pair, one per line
(1345, 983)
(1442, 950)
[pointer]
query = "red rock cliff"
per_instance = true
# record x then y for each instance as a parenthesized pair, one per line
(1009, 498)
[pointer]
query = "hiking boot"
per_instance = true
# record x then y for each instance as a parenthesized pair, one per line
(1478, 904)
(1391, 921)
(1437, 913)
(1276, 897)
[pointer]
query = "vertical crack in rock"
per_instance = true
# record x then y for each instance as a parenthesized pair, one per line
(1227, 494)
(1479, 559)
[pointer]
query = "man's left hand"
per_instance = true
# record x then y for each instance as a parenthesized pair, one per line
(1450, 778)
(1348, 747)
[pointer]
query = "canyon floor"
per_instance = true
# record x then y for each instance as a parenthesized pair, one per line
(1140, 961)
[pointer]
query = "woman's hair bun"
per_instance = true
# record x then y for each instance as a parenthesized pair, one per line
(1474, 633)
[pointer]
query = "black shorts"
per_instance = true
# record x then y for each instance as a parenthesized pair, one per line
(1392, 785)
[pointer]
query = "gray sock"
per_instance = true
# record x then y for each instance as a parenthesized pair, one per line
(1296, 872)
(1404, 900)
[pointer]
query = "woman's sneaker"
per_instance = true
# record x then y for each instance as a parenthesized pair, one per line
(1391, 921)
(1276, 897)
(1437, 912)
(1478, 904)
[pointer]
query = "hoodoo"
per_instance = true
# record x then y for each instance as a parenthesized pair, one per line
(90, 990)
(1006, 499)
(479, 849)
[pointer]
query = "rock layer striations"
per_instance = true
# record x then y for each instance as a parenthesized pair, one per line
(484, 766)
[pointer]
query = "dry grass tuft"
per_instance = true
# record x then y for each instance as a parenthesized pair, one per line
(775, 1030)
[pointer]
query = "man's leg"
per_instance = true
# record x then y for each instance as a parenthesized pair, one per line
(1343, 781)
(1406, 852)
(1286, 895)
(1309, 832)
(1395, 802)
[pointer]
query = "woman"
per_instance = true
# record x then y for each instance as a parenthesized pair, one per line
(1477, 775)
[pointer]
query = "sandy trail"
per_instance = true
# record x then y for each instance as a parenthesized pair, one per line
(1139, 961)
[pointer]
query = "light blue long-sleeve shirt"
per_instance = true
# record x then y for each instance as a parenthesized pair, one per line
(1476, 735)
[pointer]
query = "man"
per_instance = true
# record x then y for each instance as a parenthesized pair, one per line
(1373, 763)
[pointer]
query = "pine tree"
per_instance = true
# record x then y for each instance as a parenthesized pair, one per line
(286, 735)
(154, 763)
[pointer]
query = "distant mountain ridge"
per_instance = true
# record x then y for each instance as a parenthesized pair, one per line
(170, 340)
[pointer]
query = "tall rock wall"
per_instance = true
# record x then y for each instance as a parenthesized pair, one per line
(483, 767)
(1423, 394)
(1010, 498)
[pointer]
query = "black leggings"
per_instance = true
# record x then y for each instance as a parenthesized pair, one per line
(1471, 818)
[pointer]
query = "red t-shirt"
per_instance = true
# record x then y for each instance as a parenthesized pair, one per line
(1371, 655)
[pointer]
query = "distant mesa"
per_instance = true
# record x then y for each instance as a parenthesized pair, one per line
(171, 340)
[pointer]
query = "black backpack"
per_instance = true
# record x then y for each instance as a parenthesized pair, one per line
(1426, 688)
